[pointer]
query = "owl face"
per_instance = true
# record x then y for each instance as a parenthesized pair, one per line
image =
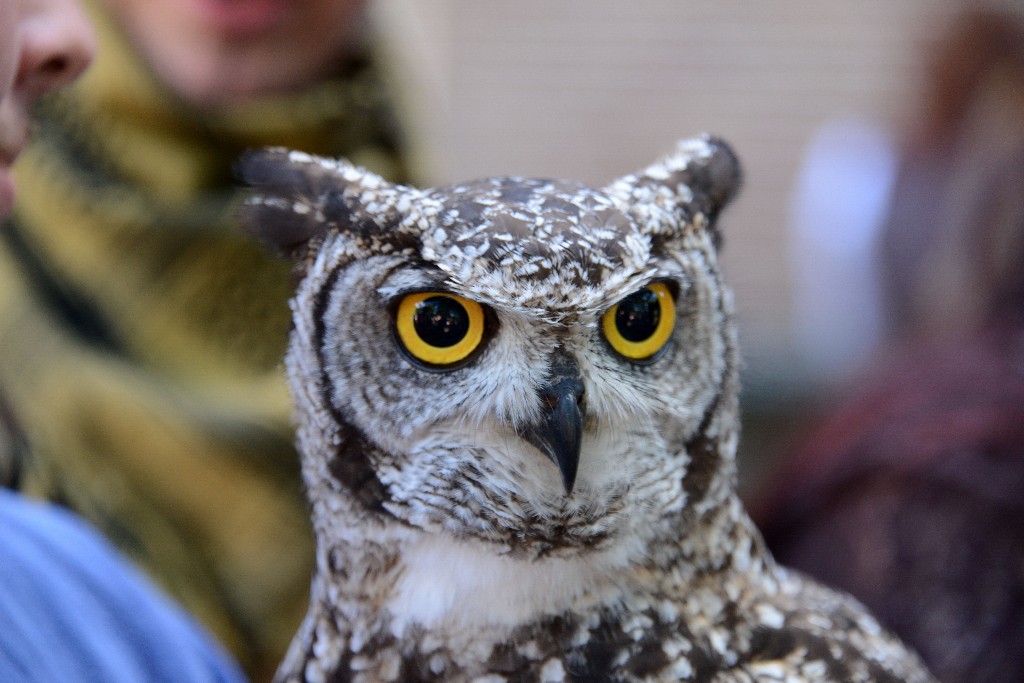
(533, 363)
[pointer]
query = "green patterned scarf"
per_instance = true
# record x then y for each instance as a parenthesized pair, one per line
(141, 334)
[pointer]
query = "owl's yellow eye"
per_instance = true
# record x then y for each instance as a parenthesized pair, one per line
(439, 329)
(639, 326)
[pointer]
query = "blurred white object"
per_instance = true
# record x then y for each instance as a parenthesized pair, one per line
(837, 213)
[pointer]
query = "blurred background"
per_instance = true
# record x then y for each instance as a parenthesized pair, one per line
(815, 97)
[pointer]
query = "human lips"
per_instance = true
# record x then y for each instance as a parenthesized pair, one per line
(240, 18)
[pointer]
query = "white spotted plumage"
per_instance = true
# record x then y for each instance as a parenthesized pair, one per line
(456, 539)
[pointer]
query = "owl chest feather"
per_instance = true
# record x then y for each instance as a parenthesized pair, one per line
(402, 605)
(462, 587)
(438, 608)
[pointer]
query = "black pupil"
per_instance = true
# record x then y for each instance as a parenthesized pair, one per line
(441, 321)
(638, 315)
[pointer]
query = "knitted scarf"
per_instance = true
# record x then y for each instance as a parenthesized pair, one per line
(141, 334)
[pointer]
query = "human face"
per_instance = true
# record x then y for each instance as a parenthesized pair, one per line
(44, 44)
(215, 52)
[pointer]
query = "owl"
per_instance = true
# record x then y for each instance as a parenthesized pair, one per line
(516, 408)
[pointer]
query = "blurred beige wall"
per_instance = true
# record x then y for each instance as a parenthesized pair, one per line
(592, 89)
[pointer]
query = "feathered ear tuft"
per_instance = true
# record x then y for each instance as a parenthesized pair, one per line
(298, 198)
(710, 168)
(282, 212)
(699, 177)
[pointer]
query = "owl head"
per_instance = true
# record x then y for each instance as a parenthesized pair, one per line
(537, 364)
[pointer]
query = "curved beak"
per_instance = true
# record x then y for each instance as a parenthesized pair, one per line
(559, 432)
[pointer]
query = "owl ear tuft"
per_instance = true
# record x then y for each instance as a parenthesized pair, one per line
(297, 198)
(701, 175)
(714, 171)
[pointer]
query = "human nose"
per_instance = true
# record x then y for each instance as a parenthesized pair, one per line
(57, 44)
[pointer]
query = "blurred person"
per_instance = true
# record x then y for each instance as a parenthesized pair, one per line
(910, 494)
(142, 332)
(949, 255)
(71, 608)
